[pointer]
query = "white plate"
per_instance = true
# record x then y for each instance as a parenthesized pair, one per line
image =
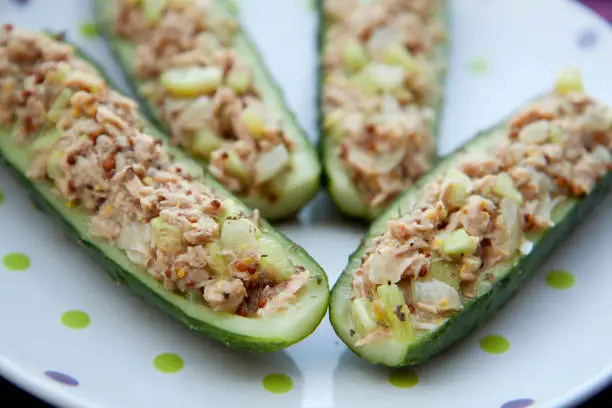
(560, 350)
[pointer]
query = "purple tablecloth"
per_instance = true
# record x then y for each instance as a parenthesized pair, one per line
(602, 7)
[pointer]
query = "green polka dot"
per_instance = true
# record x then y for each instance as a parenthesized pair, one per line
(75, 319)
(494, 344)
(234, 6)
(277, 383)
(403, 378)
(560, 279)
(169, 363)
(16, 261)
(88, 30)
(479, 66)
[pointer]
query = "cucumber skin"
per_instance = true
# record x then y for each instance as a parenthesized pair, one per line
(148, 109)
(483, 308)
(123, 277)
(325, 178)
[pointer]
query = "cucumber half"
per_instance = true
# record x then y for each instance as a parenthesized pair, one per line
(335, 176)
(260, 334)
(293, 187)
(509, 276)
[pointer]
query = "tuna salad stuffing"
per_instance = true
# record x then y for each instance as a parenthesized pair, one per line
(204, 92)
(88, 141)
(381, 90)
(484, 212)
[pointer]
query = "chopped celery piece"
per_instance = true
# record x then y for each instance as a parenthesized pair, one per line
(255, 121)
(459, 188)
(396, 311)
(239, 79)
(53, 164)
(239, 236)
(354, 57)
(216, 261)
(193, 81)
(61, 103)
(274, 260)
(168, 238)
(333, 121)
(563, 208)
(235, 166)
(230, 209)
(557, 135)
(504, 187)
(398, 55)
(194, 296)
(45, 141)
(205, 142)
(569, 80)
(458, 243)
(364, 82)
(271, 163)
(153, 9)
(446, 272)
(363, 316)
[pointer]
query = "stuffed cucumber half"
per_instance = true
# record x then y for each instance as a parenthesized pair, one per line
(202, 80)
(382, 74)
(459, 244)
(149, 215)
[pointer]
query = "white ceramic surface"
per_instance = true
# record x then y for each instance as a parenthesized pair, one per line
(504, 52)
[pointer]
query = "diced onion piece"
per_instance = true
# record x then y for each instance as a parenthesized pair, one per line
(230, 209)
(568, 81)
(254, 120)
(396, 311)
(274, 260)
(386, 77)
(374, 164)
(384, 266)
(354, 57)
(458, 243)
(397, 54)
(205, 141)
(153, 9)
(239, 236)
(167, 237)
(509, 222)
(535, 132)
(216, 260)
(196, 114)
(363, 316)
(446, 272)
(271, 163)
(457, 187)
(437, 294)
(504, 187)
(526, 247)
(192, 81)
(134, 239)
(239, 79)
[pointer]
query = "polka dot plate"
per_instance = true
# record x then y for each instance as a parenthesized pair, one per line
(74, 338)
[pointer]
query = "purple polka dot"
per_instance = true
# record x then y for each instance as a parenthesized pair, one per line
(519, 403)
(587, 38)
(61, 378)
